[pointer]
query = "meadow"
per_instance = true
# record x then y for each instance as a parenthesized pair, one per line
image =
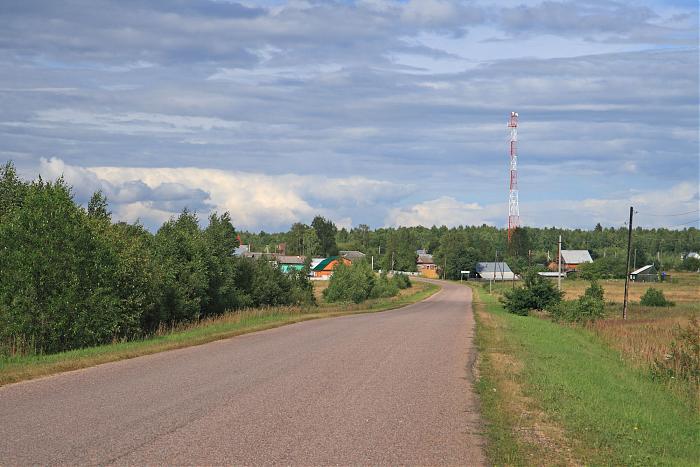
(571, 394)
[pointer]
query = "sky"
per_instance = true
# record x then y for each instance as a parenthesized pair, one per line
(379, 112)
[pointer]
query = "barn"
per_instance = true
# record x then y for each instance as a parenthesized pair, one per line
(495, 271)
(647, 273)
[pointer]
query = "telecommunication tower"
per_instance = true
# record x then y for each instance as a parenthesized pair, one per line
(513, 208)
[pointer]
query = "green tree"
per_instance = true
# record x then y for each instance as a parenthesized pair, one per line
(325, 231)
(455, 255)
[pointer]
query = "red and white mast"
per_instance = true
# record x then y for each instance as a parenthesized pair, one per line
(513, 207)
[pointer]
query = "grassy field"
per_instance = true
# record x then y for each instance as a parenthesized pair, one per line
(14, 369)
(554, 394)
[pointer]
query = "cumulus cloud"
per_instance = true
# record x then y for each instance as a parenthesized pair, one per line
(441, 211)
(254, 200)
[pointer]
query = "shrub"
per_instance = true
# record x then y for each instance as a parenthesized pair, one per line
(690, 264)
(683, 359)
(655, 297)
(383, 287)
(350, 283)
(588, 307)
(537, 293)
(401, 281)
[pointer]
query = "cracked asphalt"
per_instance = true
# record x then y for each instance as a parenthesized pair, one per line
(372, 389)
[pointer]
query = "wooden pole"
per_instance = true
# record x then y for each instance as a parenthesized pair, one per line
(559, 268)
(627, 270)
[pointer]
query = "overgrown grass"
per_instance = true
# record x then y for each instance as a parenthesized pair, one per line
(555, 394)
(20, 368)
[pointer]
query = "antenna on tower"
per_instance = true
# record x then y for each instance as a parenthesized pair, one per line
(513, 207)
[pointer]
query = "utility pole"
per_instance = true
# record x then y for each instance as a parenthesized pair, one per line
(559, 268)
(627, 270)
(444, 268)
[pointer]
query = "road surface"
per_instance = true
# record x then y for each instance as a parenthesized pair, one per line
(382, 388)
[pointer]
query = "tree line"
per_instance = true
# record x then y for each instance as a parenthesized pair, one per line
(459, 248)
(70, 277)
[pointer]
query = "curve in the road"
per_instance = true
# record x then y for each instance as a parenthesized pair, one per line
(383, 388)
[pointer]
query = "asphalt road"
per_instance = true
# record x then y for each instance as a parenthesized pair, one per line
(382, 388)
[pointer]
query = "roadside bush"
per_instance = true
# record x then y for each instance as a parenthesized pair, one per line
(384, 287)
(537, 293)
(655, 297)
(401, 281)
(350, 283)
(588, 307)
(683, 359)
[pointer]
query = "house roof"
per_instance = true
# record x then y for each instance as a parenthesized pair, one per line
(241, 249)
(576, 256)
(322, 265)
(352, 255)
(284, 259)
(421, 252)
(642, 269)
(425, 259)
(499, 267)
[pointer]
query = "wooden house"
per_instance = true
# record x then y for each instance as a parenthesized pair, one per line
(571, 259)
(425, 264)
(647, 273)
(324, 269)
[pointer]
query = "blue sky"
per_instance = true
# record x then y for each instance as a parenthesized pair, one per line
(374, 111)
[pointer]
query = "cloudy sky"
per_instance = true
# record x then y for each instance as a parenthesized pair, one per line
(382, 112)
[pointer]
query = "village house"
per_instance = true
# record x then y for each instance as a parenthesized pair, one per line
(491, 271)
(352, 255)
(425, 265)
(323, 270)
(290, 263)
(646, 273)
(570, 260)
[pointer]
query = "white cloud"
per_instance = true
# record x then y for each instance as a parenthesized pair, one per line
(254, 200)
(442, 211)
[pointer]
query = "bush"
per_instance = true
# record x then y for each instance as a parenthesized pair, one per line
(655, 297)
(401, 281)
(383, 287)
(603, 268)
(350, 283)
(537, 293)
(588, 307)
(690, 264)
(683, 359)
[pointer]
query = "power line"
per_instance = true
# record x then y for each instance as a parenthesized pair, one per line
(685, 223)
(669, 215)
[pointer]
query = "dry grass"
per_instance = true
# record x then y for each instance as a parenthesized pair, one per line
(683, 287)
(647, 334)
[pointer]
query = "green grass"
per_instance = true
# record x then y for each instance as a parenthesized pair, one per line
(612, 413)
(20, 368)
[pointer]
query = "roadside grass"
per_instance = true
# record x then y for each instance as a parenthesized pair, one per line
(554, 394)
(21, 368)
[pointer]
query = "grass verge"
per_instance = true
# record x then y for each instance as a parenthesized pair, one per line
(15, 369)
(554, 394)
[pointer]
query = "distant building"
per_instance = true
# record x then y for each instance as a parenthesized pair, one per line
(352, 255)
(425, 264)
(495, 271)
(324, 269)
(647, 273)
(241, 250)
(693, 254)
(571, 259)
(290, 263)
